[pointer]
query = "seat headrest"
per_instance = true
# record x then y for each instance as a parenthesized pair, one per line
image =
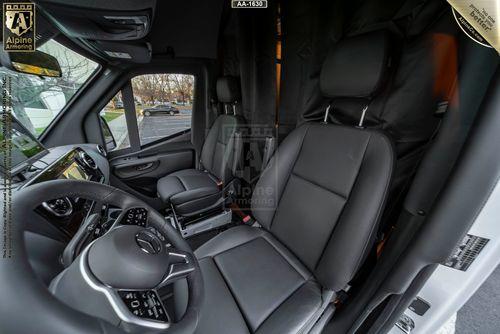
(228, 89)
(356, 66)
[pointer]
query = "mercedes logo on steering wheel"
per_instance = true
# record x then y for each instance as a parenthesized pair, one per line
(148, 242)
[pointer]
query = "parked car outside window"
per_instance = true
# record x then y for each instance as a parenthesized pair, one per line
(161, 109)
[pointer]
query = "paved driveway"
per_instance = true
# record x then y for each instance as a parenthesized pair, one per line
(159, 126)
(481, 314)
(151, 128)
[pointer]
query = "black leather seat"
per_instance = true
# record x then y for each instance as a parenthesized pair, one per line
(318, 204)
(193, 191)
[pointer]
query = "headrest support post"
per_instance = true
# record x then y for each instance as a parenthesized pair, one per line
(225, 108)
(327, 113)
(363, 114)
(234, 108)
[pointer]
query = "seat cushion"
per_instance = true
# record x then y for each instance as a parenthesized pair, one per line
(253, 284)
(189, 190)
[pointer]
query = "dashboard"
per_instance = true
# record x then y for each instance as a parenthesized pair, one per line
(76, 165)
(62, 162)
(64, 216)
(86, 163)
(67, 225)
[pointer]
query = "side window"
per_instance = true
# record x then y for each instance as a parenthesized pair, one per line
(114, 124)
(163, 104)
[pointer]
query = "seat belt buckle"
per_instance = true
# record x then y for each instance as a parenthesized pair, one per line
(340, 298)
(248, 220)
(220, 184)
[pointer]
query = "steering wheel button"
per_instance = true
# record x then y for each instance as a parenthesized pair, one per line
(145, 304)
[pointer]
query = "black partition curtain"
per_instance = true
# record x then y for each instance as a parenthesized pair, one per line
(249, 44)
(249, 51)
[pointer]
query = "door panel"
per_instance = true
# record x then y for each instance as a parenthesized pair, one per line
(154, 166)
(150, 146)
(141, 170)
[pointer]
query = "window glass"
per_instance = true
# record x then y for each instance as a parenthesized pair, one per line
(113, 115)
(37, 101)
(163, 104)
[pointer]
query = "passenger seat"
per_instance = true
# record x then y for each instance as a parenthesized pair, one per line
(317, 204)
(194, 191)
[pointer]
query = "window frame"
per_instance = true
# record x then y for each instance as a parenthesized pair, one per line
(83, 88)
(131, 116)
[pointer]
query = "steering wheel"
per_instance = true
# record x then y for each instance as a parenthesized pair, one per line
(126, 256)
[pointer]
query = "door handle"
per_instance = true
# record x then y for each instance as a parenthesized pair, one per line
(144, 166)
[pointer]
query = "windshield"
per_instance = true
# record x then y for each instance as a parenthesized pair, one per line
(37, 101)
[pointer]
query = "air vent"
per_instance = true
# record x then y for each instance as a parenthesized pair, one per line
(87, 160)
(101, 150)
(60, 207)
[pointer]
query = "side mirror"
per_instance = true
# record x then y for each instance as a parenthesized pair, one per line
(37, 63)
(108, 135)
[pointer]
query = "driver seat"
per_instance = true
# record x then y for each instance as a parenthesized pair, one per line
(317, 204)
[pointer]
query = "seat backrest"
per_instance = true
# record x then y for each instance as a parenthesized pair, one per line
(409, 109)
(324, 190)
(221, 145)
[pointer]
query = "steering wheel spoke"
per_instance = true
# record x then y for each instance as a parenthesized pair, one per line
(139, 307)
(181, 266)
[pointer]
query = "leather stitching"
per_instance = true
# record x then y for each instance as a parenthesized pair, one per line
(332, 233)
(262, 236)
(232, 294)
(319, 185)
(269, 241)
(277, 307)
(194, 200)
(182, 183)
(286, 259)
(374, 223)
(290, 173)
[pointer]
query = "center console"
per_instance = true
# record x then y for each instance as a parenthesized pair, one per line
(191, 227)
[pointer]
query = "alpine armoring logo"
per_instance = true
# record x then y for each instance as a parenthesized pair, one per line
(479, 20)
(469, 30)
(19, 27)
